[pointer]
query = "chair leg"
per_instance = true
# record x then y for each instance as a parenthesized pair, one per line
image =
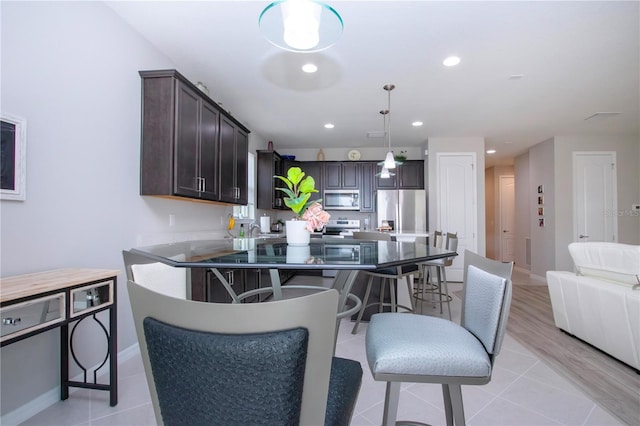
(408, 279)
(445, 290)
(439, 270)
(392, 290)
(391, 400)
(458, 407)
(448, 409)
(364, 306)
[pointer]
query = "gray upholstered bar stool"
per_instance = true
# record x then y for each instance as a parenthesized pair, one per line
(389, 275)
(440, 290)
(426, 349)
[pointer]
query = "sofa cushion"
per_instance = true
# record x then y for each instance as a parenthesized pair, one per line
(615, 262)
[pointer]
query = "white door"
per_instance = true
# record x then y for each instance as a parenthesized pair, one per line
(507, 218)
(456, 204)
(594, 196)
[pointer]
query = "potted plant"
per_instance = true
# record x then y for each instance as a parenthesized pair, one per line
(402, 157)
(309, 215)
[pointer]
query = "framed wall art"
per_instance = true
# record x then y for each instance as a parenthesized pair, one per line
(13, 157)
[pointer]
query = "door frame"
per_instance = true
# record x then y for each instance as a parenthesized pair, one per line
(455, 272)
(501, 226)
(614, 190)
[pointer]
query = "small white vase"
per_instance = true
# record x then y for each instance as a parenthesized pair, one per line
(298, 254)
(297, 233)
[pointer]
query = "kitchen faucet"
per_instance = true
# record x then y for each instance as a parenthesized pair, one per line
(253, 226)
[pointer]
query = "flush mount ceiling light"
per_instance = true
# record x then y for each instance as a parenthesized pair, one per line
(300, 25)
(491, 151)
(417, 123)
(329, 126)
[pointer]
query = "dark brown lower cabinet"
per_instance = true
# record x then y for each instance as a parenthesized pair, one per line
(206, 287)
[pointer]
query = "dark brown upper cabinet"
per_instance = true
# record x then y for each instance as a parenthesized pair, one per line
(341, 175)
(408, 175)
(189, 146)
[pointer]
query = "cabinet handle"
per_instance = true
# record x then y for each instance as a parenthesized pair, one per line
(204, 185)
(10, 321)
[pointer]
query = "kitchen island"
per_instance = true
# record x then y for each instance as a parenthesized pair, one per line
(347, 256)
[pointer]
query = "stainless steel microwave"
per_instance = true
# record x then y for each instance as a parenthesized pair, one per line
(341, 199)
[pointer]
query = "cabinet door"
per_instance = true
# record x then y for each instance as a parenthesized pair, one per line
(350, 175)
(388, 183)
(209, 120)
(242, 167)
(251, 278)
(216, 291)
(186, 147)
(228, 188)
(411, 175)
(315, 170)
(333, 175)
(367, 192)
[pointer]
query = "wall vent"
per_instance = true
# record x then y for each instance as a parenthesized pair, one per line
(376, 134)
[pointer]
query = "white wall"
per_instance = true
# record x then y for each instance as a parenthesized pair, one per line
(628, 189)
(541, 172)
(522, 210)
(549, 163)
(71, 69)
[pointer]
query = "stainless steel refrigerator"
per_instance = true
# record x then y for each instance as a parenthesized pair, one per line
(404, 209)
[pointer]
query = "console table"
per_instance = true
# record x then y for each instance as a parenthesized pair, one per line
(34, 303)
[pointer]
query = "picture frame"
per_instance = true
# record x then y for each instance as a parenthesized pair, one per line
(13, 157)
(541, 222)
(540, 200)
(540, 211)
(540, 189)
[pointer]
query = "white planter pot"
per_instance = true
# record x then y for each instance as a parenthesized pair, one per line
(297, 234)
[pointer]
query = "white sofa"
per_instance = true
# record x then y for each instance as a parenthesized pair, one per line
(600, 303)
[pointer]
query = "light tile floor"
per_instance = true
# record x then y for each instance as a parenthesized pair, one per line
(523, 391)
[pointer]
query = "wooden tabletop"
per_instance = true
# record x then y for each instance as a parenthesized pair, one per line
(20, 286)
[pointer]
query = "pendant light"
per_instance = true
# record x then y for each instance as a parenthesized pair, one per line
(301, 25)
(389, 161)
(384, 173)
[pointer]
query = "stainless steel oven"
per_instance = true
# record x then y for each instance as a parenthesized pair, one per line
(341, 199)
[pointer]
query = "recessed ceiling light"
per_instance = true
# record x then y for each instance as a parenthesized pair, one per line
(416, 123)
(451, 61)
(309, 68)
(329, 126)
(491, 151)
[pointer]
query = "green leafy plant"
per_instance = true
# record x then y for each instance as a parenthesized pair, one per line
(299, 189)
(401, 157)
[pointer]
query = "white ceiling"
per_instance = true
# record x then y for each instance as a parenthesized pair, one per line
(576, 59)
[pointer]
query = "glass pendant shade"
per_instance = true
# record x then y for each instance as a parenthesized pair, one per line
(389, 161)
(300, 25)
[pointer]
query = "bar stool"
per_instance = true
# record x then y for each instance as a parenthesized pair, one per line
(390, 275)
(440, 290)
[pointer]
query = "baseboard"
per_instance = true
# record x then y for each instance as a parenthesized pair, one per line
(47, 399)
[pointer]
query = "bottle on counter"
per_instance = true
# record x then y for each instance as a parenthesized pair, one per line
(241, 234)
